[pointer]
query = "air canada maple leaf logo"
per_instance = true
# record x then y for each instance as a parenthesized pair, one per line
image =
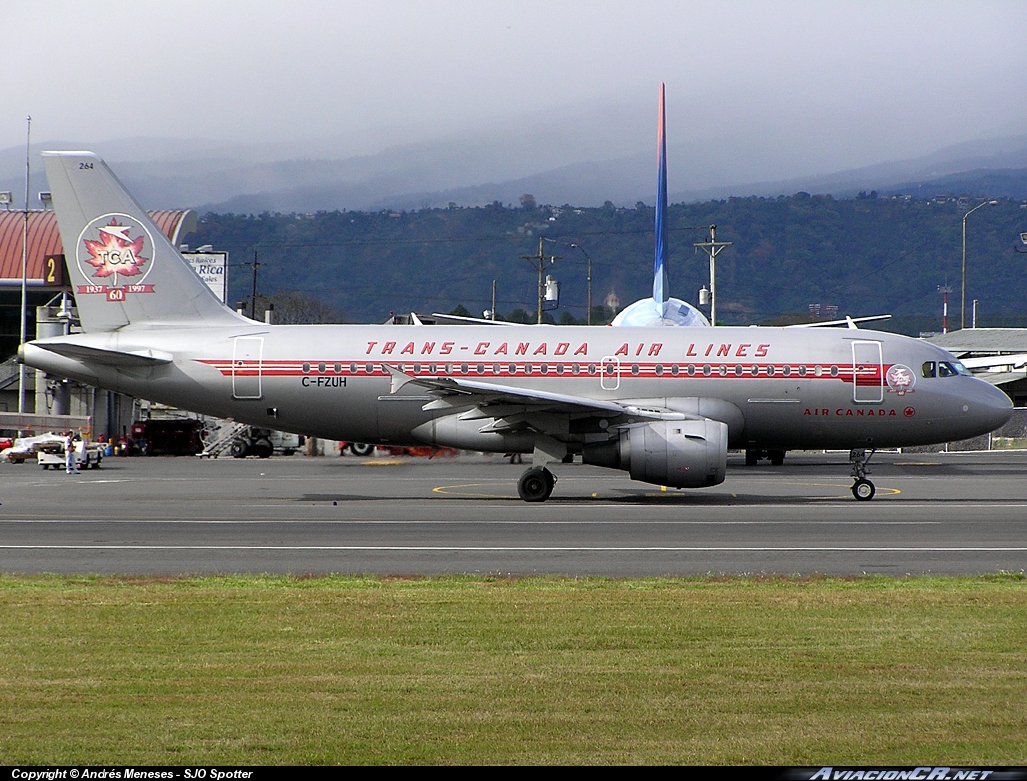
(116, 252)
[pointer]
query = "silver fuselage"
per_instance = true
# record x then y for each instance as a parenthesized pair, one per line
(773, 387)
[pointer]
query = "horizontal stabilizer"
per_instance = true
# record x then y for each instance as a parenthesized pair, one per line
(135, 358)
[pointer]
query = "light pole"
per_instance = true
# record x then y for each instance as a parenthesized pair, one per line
(962, 310)
(24, 268)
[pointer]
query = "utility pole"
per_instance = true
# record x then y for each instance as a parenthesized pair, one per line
(253, 298)
(944, 290)
(539, 261)
(713, 248)
(588, 316)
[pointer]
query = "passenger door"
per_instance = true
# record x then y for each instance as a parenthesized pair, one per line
(867, 374)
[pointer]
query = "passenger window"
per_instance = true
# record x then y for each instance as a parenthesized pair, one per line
(928, 369)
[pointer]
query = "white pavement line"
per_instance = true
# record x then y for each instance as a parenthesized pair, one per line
(444, 522)
(529, 548)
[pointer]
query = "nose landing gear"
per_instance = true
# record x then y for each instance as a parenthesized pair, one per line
(862, 489)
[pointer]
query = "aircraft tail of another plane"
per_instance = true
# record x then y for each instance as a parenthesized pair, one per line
(124, 270)
(660, 279)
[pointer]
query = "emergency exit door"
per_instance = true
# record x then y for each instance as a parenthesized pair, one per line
(246, 367)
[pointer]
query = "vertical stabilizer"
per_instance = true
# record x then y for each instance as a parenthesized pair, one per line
(660, 279)
(124, 270)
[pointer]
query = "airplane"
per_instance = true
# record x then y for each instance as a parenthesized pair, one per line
(664, 404)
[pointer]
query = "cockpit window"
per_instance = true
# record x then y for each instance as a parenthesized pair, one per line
(943, 369)
(951, 369)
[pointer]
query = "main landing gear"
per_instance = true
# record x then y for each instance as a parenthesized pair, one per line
(536, 484)
(862, 489)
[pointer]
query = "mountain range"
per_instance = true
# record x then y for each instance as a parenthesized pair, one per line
(555, 163)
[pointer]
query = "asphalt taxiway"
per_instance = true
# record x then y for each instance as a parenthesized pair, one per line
(944, 513)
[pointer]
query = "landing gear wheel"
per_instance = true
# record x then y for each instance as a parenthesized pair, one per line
(536, 484)
(361, 449)
(777, 457)
(752, 457)
(863, 490)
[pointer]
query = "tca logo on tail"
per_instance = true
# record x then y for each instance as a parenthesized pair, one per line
(112, 246)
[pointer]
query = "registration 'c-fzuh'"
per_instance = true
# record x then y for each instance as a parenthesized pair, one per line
(664, 404)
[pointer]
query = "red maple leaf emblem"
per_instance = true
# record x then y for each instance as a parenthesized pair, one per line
(115, 253)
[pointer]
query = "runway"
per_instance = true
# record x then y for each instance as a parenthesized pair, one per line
(937, 513)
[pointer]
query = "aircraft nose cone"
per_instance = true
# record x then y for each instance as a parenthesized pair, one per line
(989, 406)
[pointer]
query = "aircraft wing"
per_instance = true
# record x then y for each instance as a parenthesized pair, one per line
(107, 357)
(442, 319)
(848, 322)
(459, 392)
(996, 362)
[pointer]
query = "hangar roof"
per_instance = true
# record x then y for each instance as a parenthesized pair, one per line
(983, 340)
(44, 240)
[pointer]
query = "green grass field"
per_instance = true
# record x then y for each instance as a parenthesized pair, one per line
(268, 670)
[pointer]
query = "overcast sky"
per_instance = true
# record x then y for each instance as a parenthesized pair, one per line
(889, 78)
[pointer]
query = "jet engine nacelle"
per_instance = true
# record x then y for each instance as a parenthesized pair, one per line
(678, 453)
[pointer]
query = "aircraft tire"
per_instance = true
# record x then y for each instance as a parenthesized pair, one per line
(752, 457)
(361, 448)
(536, 484)
(863, 490)
(777, 457)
